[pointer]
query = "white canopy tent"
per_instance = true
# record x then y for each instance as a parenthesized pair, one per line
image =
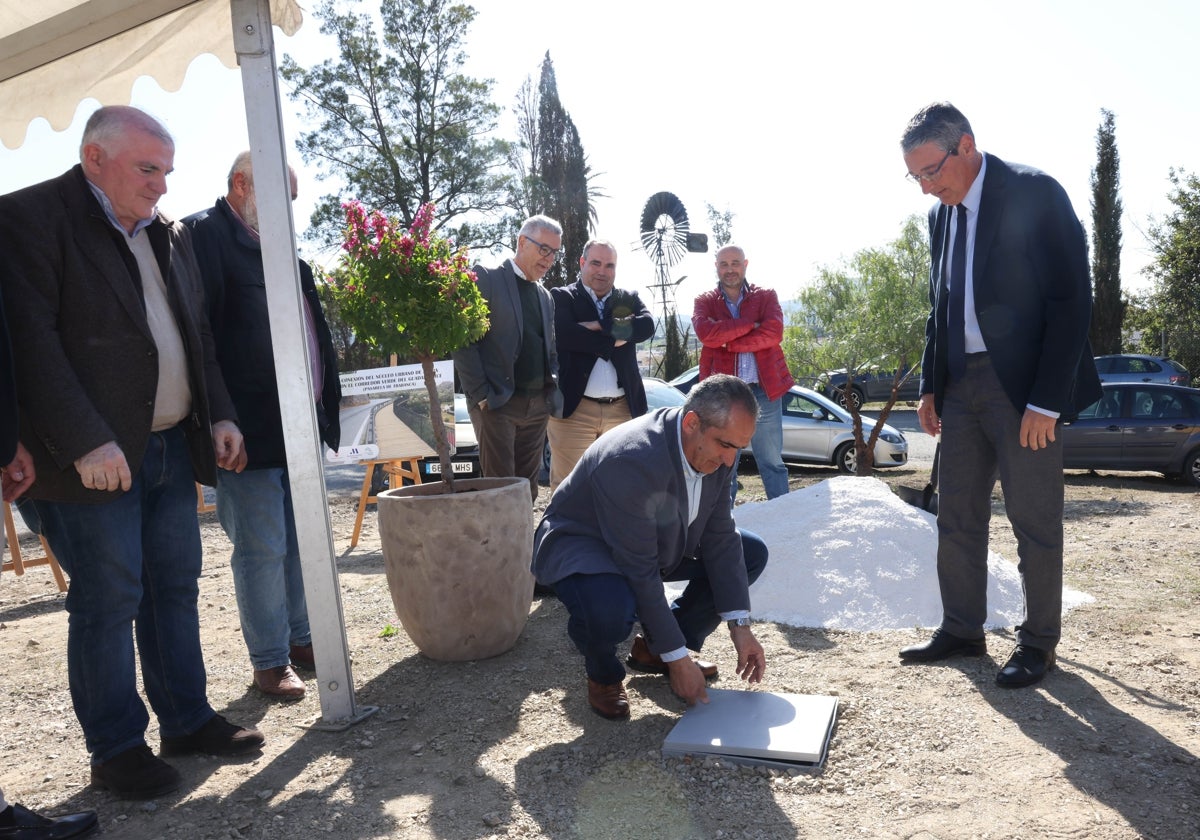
(54, 53)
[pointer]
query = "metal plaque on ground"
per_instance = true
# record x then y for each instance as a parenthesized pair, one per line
(765, 728)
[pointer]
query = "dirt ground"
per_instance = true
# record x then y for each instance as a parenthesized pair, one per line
(1105, 747)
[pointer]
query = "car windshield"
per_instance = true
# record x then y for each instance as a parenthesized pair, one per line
(661, 395)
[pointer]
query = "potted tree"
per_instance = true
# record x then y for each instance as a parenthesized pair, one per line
(457, 557)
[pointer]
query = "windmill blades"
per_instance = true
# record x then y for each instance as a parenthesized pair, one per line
(664, 228)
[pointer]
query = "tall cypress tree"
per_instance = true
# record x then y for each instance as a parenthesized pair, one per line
(562, 182)
(1108, 310)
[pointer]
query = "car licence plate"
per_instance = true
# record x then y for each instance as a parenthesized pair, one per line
(435, 467)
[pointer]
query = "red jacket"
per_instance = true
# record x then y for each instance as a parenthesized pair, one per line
(724, 336)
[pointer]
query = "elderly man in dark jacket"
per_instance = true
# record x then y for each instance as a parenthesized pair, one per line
(122, 408)
(255, 506)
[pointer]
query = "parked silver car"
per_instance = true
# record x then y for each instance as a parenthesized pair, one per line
(1135, 367)
(1137, 426)
(817, 431)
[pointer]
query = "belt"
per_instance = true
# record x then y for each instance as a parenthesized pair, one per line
(604, 400)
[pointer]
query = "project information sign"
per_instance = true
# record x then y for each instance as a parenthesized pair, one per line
(393, 421)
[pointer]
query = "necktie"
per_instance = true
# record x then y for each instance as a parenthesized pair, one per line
(956, 316)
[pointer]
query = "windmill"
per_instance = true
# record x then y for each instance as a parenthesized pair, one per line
(666, 240)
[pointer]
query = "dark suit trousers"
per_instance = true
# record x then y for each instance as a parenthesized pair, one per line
(512, 438)
(980, 441)
(602, 609)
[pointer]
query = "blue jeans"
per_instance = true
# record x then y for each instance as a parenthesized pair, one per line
(255, 509)
(602, 609)
(134, 563)
(767, 446)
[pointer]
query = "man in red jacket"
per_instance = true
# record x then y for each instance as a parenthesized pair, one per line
(741, 328)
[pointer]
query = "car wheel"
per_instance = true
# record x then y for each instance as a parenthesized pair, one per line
(846, 458)
(853, 399)
(1191, 469)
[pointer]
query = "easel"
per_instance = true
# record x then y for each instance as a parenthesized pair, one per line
(17, 563)
(201, 505)
(400, 467)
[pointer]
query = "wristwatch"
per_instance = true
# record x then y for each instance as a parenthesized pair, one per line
(738, 622)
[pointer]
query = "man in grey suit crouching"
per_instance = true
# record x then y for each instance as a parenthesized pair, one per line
(649, 502)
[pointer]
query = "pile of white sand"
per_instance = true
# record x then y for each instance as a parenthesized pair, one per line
(848, 554)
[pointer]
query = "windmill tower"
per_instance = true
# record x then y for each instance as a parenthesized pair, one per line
(666, 239)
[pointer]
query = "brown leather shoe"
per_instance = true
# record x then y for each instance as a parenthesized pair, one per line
(608, 701)
(641, 659)
(302, 657)
(280, 682)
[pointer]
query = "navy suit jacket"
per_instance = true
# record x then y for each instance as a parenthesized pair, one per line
(623, 510)
(579, 347)
(1033, 293)
(485, 367)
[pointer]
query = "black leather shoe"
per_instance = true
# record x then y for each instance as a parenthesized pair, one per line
(943, 645)
(19, 823)
(217, 737)
(1026, 666)
(136, 774)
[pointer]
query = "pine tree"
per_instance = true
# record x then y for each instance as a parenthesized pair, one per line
(397, 122)
(1108, 310)
(1175, 242)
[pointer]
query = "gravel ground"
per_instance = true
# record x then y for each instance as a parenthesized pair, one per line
(1106, 747)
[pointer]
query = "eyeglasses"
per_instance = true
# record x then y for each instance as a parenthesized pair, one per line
(544, 250)
(930, 177)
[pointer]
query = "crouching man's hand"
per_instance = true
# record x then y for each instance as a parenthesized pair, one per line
(687, 681)
(752, 661)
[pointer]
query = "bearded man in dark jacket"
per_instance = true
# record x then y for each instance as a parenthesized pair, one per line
(255, 506)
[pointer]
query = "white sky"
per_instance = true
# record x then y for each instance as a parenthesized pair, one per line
(789, 114)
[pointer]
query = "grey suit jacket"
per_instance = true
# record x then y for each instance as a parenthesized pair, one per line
(1033, 292)
(623, 510)
(86, 361)
(485, 367)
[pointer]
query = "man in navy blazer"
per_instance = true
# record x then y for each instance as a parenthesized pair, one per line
(1006, 357)
(510, 374)
(646, 503)
(597, 329)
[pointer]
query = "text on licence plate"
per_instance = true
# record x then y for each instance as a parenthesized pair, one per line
(455, 466)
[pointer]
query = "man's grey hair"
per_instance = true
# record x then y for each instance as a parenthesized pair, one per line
(242, 164)
(108, 127)
(939, 123)
(730, 247)
(539, 224)
(713, 398)
(604, 243)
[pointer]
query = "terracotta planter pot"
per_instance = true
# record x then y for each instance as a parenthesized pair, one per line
(458, 564)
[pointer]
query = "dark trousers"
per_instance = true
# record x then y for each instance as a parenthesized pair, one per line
(602, 609)
(512, 438)
(980, 441)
